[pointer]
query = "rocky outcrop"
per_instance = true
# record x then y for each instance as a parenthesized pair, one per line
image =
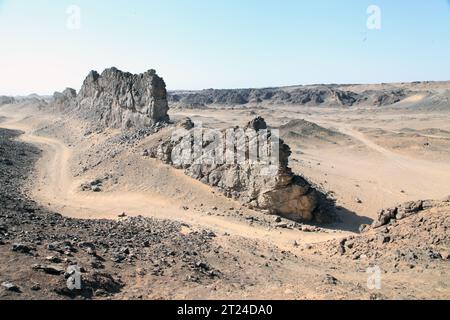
(118, 99)
(406, 210)
(65, 99)
(419, 240)
(275, 189)
(6, 100)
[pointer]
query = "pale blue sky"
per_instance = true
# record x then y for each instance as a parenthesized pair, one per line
(197, 44)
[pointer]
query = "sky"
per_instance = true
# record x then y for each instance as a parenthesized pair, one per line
(48, 45)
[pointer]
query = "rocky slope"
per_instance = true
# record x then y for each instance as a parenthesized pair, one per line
(418, 238)
(297, 132)
(40, 245)
(118, 99)
(281, 192)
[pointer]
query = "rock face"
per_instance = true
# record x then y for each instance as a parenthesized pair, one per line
(119, 99)
(280, 192)
(6, 100)
(417, 237)
(405, 210)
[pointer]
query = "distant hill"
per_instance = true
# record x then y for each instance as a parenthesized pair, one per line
(312, 95)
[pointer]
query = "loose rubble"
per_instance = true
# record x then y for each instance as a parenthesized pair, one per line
(51, 243)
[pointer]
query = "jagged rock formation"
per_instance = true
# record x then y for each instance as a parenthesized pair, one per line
(406, 210)
(280, 192)
(6, 100)
(310, 96)
(62, 100)
(118, 99)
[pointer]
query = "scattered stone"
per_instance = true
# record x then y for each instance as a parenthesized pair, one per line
(11, 287)
(364, 228)
(25, 223)
(49, 269)
(97, 264)
(118, 258)
(36, 287)
(383, 239)
(54, 259)
(22, 248)
(434, 255)
(306, 228)
(119, 99)
(329, 279)
(96, 189)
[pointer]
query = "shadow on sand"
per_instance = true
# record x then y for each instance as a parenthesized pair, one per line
(348, 221)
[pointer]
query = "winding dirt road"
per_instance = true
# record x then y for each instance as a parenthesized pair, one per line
(408, 170)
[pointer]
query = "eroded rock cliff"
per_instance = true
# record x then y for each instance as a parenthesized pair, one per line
(6, 100)
(118, 99)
